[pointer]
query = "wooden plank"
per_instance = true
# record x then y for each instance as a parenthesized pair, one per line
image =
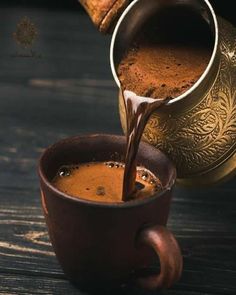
(23, 284)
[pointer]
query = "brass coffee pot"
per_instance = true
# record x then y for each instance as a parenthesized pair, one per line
(197, 129)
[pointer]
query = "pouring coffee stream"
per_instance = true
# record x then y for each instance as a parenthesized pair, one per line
(138, 111)
(159, 64)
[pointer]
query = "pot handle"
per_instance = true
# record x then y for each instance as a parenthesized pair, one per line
(104, 13)
(171, 262)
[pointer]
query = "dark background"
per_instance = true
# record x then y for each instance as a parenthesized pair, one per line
(225, 8)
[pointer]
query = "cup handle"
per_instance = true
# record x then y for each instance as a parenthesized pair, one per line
(171, 262)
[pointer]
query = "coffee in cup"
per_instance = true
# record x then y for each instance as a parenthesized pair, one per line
(103, 181)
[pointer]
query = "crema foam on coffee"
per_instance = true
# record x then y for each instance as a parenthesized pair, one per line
(102, 182)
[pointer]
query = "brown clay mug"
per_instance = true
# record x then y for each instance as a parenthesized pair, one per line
(101, 245)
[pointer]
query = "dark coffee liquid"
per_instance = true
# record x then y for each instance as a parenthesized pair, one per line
(102, 182)
(138, 111)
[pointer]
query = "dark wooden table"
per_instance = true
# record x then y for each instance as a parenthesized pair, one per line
(67, 89)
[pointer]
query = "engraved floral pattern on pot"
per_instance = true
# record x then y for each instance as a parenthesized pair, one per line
(200, 139)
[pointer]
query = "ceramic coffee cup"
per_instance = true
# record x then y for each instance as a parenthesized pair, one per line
(104, 245)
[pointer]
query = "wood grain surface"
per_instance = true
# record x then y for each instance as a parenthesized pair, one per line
(67, 89)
